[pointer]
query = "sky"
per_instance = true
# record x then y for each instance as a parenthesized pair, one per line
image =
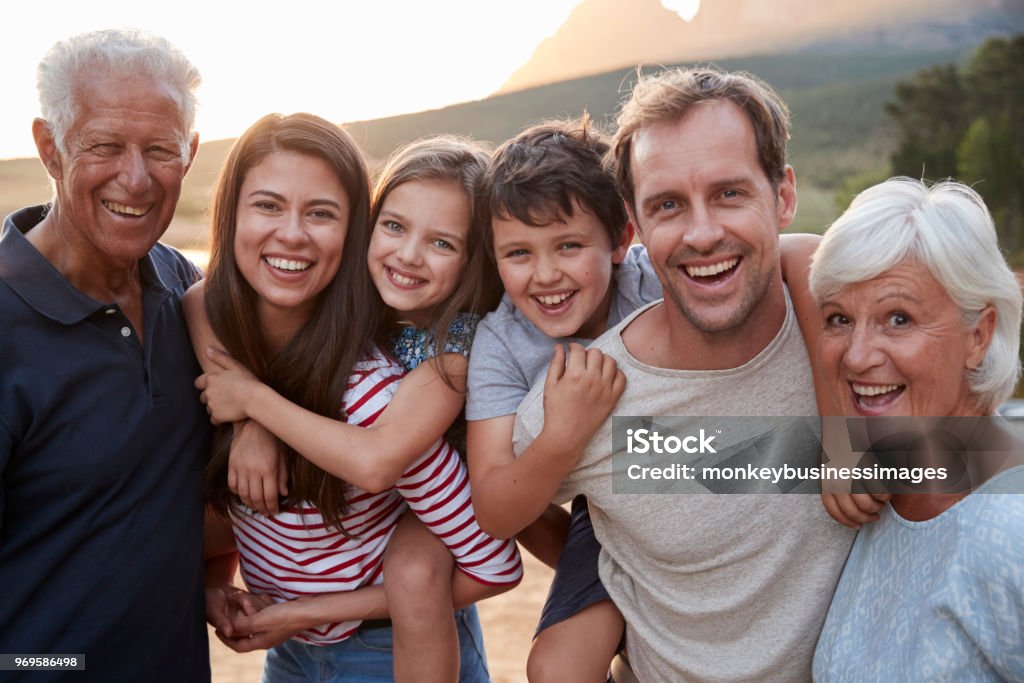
(343, 60)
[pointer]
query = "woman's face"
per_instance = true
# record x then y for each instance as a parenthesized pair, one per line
(895, 345)
(418, 248)
(290, 231)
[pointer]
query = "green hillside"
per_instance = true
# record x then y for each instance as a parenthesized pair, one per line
(837, 103)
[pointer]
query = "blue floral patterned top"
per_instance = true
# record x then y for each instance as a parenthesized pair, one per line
(411, 346)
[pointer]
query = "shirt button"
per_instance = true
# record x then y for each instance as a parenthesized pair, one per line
(111, 311)
(126, 331)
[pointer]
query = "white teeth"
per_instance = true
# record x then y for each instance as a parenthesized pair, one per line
(714, 269)
(125, 209)
(554, 299)
(874, 390)
(287, 264)
(403, 280)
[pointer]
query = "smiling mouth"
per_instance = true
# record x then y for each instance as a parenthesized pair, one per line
(403, 280)
(712, 273)
(874, 396)
(124, 209)
(288, 265)
(554, 301)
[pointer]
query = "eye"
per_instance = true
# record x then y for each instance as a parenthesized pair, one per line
(265, 205)
(163, 153)
(668, 205)
(898, 319)
(106, 148)
(442, 244)
(731, 194)
(837, 320)
(392, 226)
(567, 246)
(517, 253)
(322, 214)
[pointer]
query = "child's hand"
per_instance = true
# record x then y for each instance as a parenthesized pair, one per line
(226, 391)
(579, 394)
(854, 509)
(256, 470)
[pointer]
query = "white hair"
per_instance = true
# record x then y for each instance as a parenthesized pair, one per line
(948, 229)
(112, 51)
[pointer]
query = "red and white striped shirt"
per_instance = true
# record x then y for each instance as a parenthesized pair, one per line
(294, 553)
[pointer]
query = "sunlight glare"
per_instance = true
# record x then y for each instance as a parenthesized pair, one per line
(686, 9)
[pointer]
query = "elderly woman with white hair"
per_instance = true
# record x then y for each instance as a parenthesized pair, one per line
(922, 319)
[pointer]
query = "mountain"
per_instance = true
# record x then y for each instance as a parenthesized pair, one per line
(602, 35)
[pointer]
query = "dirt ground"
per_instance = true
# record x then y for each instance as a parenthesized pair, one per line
(508, 622)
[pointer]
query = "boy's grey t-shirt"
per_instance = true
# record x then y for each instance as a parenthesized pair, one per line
(510, 354)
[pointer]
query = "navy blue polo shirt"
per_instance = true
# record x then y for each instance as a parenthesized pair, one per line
(102, 447)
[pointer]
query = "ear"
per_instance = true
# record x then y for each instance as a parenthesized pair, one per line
(193, 147)
(633, 222)
(46, 146)
(785, 199)
(625, 240)
(980, 338)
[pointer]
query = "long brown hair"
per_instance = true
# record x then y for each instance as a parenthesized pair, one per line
(451, 158)
(313, 369)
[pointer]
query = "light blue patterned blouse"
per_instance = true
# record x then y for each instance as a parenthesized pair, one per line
(939, 600)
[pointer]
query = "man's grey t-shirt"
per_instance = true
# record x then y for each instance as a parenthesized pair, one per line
(510, 353)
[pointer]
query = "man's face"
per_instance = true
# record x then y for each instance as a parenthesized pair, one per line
(708, 214)
(120, 177)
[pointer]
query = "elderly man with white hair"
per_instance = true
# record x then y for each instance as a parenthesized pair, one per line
(922, 330)
(102, 438)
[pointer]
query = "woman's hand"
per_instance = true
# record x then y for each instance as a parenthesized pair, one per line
(258, 623)
(227, 389)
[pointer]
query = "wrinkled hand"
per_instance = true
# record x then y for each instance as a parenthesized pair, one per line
(259, 623)
(580, 392)
(854, 509)
(226, 390)
(257, 473)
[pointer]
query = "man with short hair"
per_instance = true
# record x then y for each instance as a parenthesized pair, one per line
(712, 587)
(102, 437)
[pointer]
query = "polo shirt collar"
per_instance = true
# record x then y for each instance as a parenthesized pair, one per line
(39, 283)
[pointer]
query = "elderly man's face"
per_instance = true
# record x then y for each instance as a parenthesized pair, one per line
(896, 346)
(708, 214)
(120, 178)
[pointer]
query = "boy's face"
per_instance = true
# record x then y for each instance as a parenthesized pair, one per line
(559, 275)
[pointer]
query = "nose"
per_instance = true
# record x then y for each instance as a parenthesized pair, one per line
(409, 252)
(546, 270)
(134, 173)
(863, 350)
(292, 231)
(703, 231)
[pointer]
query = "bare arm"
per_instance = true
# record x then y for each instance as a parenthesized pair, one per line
(509, 492)
(423, 407)
(849, 509)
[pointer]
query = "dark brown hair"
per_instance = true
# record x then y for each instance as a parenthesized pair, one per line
(669, 95)
(313, 369)
(461, 161)
(536, 176)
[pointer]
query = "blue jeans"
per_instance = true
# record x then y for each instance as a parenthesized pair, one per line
(365, 657)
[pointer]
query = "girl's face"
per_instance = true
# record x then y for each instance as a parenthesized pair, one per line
(290, 231)
(418, 247)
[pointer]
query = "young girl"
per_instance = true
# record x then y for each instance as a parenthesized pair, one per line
(420, 250)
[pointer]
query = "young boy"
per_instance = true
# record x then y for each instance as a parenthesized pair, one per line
(559, 235)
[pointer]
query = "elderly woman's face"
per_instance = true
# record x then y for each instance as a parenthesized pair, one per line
(895, 345)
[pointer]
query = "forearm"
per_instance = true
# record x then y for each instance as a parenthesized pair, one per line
(510, 496)
(336, 447)
(545, 538)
